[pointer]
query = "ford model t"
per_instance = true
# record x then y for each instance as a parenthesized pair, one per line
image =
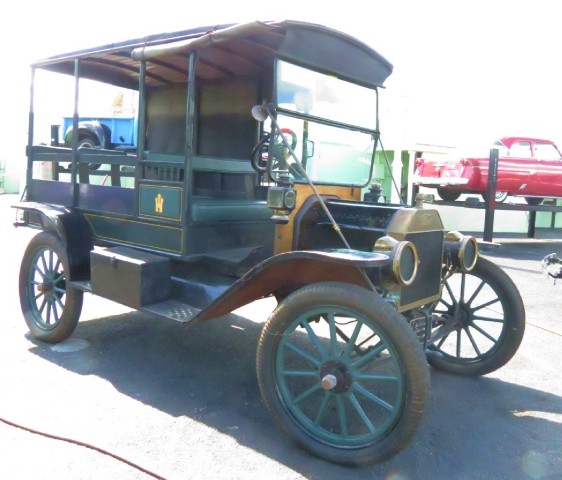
(256, 145)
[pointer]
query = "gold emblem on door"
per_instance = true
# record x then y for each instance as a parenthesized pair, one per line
(159, 203)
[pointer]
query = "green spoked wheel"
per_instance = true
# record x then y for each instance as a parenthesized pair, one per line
(51, 307)
(342, 373)
(478, 323)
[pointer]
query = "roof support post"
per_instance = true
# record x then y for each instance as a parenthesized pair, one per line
(74, 165)
(31, 120)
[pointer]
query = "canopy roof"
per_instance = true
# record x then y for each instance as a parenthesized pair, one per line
(227, 51)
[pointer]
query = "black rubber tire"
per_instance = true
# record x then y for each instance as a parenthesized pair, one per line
(507, 336)
(500, 197)
(45, 257)
(86, 142)
(89, 142)
(534, 200)
(448, 195)
(395, 332)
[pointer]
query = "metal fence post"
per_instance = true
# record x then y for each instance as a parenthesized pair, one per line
(491, 195)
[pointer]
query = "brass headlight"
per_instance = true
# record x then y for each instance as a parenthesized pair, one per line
(462, 250)
(404, 259)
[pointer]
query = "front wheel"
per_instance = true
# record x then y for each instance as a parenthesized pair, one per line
(50, 307)
(448, 195)
(478, 323)
(342, 373)
(500, 197)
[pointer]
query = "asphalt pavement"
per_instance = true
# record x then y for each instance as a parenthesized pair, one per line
(183, 403)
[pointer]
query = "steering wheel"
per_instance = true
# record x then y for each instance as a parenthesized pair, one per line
(260, 153)
(287, 132)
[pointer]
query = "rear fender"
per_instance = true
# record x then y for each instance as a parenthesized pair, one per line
(71, 227)
(287, 272)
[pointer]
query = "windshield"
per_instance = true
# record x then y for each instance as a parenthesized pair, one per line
(330, 123)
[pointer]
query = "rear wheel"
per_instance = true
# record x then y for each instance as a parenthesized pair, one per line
(51, 307)
(86, 142)
(342, 373)
(534, 200)
(448, 195)
(89, 142)
(478, 323)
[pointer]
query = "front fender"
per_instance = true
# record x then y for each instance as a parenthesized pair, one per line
(71, 227)
(286, 272)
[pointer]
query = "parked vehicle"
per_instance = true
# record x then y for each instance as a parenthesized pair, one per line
(528, 167)
(255, 142)
(100, 132)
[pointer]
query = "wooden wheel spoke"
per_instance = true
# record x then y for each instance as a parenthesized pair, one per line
(371, 396)
(45, 266)
(488, 319)
(333, 334)
(361, 413)
(484, 305)
(43, 304)
(483, 332)
(307, 393)
(451, 294)
(315, 340)
(322, 408)
(341, 415)
(369, 376)
(300, 373)
(37, 269)
(472, 341)
(49, 306)
(351, 342)
(59, 278)
(303, 354)
(370, 355)
(59, 301)
(476, 292)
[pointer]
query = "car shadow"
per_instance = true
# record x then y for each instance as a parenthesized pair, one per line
(475, 427)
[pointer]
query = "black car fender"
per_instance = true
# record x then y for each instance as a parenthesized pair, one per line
(284, 273)
(71, 227)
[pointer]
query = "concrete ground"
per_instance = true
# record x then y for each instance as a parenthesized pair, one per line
(184, 403)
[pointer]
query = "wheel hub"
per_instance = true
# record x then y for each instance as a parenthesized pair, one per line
(459, 316)
(46, 287)
(335, 377)
(464, 315)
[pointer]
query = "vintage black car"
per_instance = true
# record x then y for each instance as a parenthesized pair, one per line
(251, 179)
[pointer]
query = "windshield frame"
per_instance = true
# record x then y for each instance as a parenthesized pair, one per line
(374, 132)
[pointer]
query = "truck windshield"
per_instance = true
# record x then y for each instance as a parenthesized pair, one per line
(329, 122)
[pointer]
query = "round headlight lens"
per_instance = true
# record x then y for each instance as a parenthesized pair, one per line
(406, 263)
(469, 253)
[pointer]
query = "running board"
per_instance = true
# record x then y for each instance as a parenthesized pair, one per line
(170, 309)
(173, 310)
